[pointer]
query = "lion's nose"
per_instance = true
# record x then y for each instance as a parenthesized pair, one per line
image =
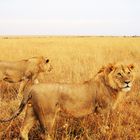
(127, 82)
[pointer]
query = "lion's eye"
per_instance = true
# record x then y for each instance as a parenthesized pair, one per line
(119, 74)
(128, 72)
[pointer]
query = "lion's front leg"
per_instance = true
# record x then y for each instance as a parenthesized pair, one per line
(22, 87)
(119, 100)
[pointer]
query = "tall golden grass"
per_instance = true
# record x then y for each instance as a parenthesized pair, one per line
(74, 60)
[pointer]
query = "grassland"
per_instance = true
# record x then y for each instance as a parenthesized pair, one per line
(74, 60)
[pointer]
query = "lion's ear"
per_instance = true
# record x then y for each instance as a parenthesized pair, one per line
(109, 68)
(47, 60)
(131, 66)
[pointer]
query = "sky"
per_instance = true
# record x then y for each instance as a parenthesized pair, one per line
(70, 17)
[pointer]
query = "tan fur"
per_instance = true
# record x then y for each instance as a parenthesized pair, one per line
(23, 71)
(97, 94)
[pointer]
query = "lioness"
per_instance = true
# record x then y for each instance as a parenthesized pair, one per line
(24, 70)
(46, 99)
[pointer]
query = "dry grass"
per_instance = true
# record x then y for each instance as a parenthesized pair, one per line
(74, 60)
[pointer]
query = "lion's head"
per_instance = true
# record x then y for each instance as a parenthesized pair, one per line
(119, 77)
(45, 64)
(40, 64)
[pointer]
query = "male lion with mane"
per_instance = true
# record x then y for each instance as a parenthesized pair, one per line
(23, 71)
(45, 100)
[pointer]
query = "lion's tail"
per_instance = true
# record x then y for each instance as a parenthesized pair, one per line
(19, 110)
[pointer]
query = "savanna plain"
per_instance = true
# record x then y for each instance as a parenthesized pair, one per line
(74, 60)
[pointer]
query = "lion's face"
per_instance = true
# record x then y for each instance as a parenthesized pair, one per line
(121, 77)
(45, 65)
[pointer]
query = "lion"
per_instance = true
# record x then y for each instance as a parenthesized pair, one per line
(46, 100)
(23, 71)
